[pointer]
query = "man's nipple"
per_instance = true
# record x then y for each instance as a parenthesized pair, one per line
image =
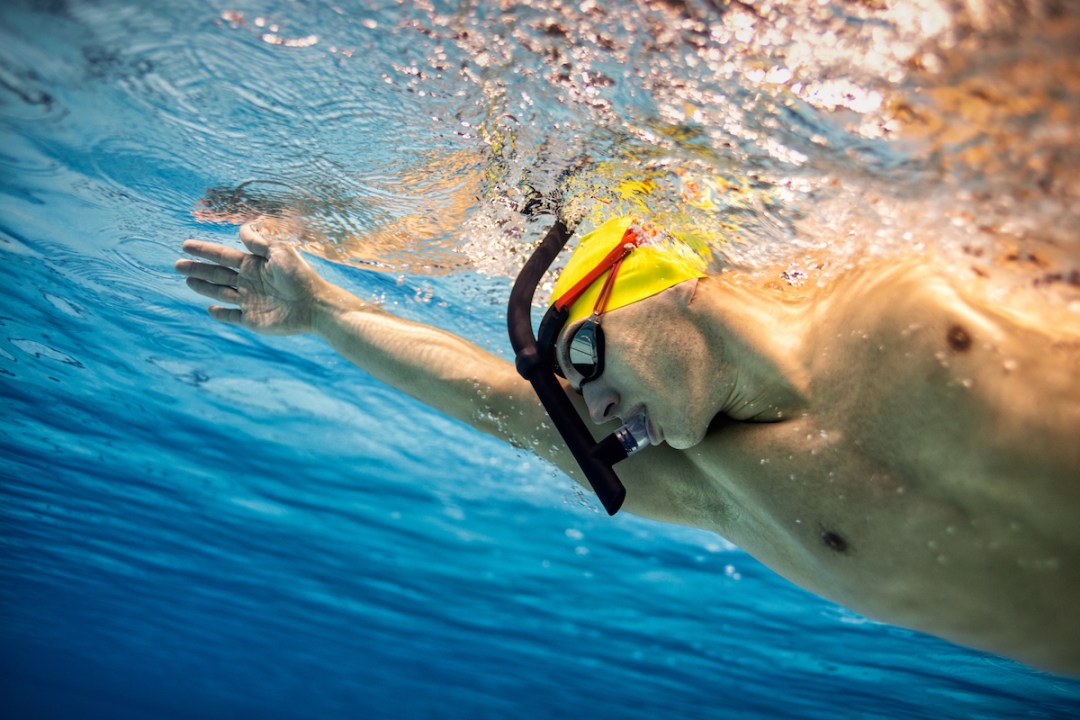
(833, 541)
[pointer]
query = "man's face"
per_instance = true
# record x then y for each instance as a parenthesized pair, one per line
(655, 362)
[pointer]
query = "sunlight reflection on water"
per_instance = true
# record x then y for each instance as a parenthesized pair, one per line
(836, 129)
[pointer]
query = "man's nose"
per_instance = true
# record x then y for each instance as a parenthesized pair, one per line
(603, 402)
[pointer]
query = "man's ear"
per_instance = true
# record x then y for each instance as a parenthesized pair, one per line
(685, 292)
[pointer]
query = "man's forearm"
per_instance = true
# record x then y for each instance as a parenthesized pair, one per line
(437, 367)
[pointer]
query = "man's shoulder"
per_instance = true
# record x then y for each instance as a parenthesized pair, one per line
(928, 311)
(906, 290)
(899, 316)
(881, 290)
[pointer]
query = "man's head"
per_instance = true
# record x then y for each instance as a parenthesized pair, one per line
(620, 264)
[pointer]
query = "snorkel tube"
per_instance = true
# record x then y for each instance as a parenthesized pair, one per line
(595, 458)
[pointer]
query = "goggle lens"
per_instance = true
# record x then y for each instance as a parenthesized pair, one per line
(586, 351)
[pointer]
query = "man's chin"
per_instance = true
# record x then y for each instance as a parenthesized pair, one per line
(683, 442)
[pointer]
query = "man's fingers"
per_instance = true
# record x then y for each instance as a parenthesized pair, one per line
(216, 274)
(216, 292)
(220, 254)
(232, 316)
(254, 240)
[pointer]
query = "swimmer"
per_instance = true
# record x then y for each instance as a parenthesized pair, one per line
(885, 441)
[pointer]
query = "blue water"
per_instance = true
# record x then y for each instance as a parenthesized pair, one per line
(197, 522)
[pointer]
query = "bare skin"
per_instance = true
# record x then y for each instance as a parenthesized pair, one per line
(884, 442)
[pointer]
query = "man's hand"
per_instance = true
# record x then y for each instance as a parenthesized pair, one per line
(273, 286)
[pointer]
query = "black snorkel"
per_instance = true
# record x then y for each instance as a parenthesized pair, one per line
(535, 362)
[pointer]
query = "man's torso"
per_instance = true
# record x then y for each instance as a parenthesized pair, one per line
(934, 480)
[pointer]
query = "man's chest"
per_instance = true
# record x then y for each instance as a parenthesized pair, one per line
(806, 498)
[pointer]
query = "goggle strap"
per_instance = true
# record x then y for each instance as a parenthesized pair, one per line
(616, 254)
(605, 292)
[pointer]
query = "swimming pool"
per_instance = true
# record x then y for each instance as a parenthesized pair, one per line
(200, 522)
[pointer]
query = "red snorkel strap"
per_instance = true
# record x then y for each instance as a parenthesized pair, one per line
(609, 284)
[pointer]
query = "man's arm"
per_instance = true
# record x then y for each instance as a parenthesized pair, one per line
(438, 368)
(273, 290)
(276, 292)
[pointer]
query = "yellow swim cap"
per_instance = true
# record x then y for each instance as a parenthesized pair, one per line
(650, 268)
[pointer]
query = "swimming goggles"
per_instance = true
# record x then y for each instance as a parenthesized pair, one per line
(585, 350)
(536, 361)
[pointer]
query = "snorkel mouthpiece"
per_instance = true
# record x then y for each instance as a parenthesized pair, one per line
(634, 435)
